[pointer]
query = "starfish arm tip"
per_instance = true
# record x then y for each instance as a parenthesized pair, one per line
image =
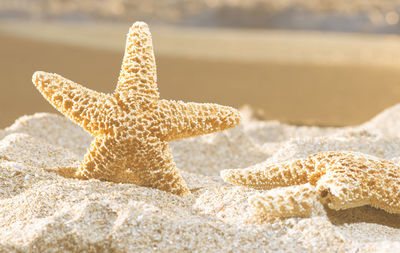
(225, 116)
(236, 116)
(138, 75)
(38, 76)
(193, 119)
(139, 27)
(140, 24)
(228, 116)
(294, 201)
(225, 175)
(235, 177)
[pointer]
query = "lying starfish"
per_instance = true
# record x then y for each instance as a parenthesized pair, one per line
(339, 179)
(132, 126)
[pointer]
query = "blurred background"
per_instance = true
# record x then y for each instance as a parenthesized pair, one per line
(312, 62)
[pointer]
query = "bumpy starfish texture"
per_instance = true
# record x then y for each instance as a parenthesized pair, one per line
(132, 125)
(339, 179)
(285, 202)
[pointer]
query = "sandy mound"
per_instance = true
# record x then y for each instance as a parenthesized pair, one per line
(41, 210)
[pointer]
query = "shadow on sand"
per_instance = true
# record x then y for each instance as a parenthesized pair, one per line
(364, 214)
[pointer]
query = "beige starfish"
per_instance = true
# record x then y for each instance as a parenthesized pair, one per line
(339, 179)
(132, 125)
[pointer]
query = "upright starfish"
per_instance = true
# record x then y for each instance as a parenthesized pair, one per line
(132, 125)
(339, 179)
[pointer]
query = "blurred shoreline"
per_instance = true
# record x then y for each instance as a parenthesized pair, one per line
(359, 16)
(245, 45)
(300, 78)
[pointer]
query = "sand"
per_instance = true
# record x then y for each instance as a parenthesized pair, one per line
(43, 211)
(311, 78)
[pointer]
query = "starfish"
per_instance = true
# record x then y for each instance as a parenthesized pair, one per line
(339, 179)
(132, 125)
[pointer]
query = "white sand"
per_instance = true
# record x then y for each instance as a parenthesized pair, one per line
(43, 211)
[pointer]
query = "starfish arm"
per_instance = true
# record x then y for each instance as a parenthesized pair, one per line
(344, 187)
(270, 176)
(141, 162)
(154, 165)
(340, 192)
(103, 160)
(182, 120)
(86, 107)
(383, 187)
(295, 201)
(137, 82)
(388, 201)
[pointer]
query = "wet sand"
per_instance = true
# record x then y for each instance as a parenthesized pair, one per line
(276, 77)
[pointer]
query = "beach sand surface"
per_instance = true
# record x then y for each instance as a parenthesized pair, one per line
(296, 77)
(41, 211)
